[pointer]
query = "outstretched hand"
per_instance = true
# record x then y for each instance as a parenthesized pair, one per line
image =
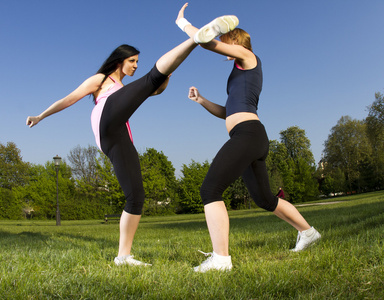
(181, 12)
(32, 121)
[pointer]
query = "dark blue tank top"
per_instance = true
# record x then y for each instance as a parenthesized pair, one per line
(243, 89)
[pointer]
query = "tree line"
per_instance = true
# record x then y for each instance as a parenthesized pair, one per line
(352, 162)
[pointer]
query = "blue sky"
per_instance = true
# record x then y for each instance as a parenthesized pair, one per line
(321, 60)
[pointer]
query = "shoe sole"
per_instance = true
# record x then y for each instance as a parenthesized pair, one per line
(220, 25)
(130, 263)
(225, 269)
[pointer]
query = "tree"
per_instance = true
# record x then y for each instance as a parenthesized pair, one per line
(109, 188)
(277, 166)
(294, 160)
(159, 182)
(305, 186)
(347, 148)
(10, 207)
(13, 171)
(13, 175)
(93, 198)
(297, 144)
(376, 110)
(189, 187)
(238, 195)
(334, 182)
(375, 132)
(83, 164)
(39, 195)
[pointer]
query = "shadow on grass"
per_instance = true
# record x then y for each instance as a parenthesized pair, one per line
(323, 217)
(23, 239)
(348, 219)
(330, 216)
(27, 239)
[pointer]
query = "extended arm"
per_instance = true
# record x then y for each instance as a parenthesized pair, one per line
(244, 56)
(215, 109)
(89, 86)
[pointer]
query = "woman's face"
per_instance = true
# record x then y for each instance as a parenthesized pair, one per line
(130, 65)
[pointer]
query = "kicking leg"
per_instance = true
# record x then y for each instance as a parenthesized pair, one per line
(207, 33)
(173, 58)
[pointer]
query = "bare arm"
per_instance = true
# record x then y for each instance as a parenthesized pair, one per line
(244, 57)
(215, 109)
(89, 86)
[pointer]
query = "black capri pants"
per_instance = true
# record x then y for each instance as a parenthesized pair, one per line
(114, 137)
(243, 155)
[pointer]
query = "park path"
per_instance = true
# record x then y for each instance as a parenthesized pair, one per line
(320, 203)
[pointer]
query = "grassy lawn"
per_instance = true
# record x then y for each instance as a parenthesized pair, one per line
(39, 260)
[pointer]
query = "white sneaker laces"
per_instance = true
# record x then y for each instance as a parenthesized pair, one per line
(214, 262)
(208, 260)
(206, 254)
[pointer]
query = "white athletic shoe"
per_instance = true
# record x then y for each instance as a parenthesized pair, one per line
(218, 26)
(214, 262)
(306, 238)
(129, 260)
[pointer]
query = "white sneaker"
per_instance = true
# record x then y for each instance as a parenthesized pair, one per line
(306, 238)
(215, 28)
(214, 262)
(129, 260)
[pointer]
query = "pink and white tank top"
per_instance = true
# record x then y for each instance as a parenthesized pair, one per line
(98, 110)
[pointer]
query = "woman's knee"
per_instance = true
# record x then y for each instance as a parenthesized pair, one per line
(209, 194)
(134, 207)
(267, 203)
(135, 202)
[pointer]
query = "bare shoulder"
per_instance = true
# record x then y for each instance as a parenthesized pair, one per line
(93, 83)
(95, 79)
(89, 86)
(247, 59)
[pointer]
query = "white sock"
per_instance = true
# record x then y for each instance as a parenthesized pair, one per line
(221, 257)
(308, 231)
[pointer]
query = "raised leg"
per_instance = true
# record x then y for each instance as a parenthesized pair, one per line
(173, 58)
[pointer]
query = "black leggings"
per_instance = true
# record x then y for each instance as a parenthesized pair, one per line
(243, 155)
(114, 137)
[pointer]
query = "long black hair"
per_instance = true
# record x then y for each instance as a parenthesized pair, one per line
(117, 57)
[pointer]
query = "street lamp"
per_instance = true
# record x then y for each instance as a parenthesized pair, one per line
(57, 161)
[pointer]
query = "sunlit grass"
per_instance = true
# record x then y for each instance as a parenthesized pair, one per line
(39, 260)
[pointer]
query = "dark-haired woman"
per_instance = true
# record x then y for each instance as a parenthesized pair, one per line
(245, 152)
(115, 104)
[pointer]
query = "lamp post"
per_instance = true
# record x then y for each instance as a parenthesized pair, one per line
(57, 161)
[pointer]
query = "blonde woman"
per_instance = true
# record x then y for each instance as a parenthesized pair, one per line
(245, 152)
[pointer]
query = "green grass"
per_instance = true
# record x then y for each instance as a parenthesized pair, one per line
(39, 260)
